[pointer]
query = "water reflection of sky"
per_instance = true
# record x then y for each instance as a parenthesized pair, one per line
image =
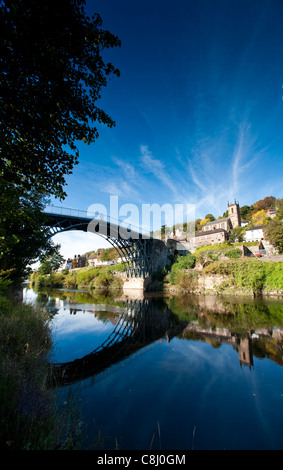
(190, 392)
(76, 332)
(197, 396)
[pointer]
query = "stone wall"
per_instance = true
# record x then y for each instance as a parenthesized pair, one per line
(159, 255)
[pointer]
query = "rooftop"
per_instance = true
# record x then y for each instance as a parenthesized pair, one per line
(256, 227)
(219, 221)
(208, 232)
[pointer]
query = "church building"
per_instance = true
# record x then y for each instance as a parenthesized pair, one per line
(217, 231)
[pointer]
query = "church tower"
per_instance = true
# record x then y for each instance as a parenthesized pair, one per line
(234, 214)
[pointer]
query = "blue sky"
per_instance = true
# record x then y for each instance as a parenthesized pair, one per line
(198, 106)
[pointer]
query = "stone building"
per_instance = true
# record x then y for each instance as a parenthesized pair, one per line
(216, 224)
(228, 223)
(210, 237)
(218, 231)
(234, 214)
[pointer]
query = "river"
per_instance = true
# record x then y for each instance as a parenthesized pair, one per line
(169, 372)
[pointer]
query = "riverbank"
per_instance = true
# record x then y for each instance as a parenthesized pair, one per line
(228, 277)
(30, 418)
(200, 273)
(102, 277)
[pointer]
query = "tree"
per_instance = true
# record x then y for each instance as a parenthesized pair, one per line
(244, 211)
(198, 225)
(203, 222)
(23, 235)
(279, 207)
(108, 254)
(51, 262)
(259, 218)
(210, 217)
(236, 234)
(52, 73)
(265, 203)
(273, 231)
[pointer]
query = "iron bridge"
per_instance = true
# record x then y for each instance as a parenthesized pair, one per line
(134, 246)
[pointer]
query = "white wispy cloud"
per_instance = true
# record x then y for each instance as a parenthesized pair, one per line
(245, 156)
(223, 162)
(158, 169)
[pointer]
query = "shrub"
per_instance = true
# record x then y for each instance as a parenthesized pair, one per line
(234, 254)
(253, 275)
(186, 280)
(218, 267)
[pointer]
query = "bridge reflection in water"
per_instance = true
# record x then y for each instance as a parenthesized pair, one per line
(246, 327)
(141, 324)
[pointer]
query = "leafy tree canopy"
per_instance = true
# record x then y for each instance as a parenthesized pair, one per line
(279, 207)
(204, 221)
(51, 262)
(23, 236)
(265, 203)
(259, 218)
(274, 233)
(210, 217)
(52, 73)
(245, 211)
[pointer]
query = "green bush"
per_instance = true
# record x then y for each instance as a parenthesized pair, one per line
(84, 278)
(252, 275)
(182, 263)
(234, 254)
(186, 280)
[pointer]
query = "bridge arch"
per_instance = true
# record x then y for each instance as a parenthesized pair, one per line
(137, 248)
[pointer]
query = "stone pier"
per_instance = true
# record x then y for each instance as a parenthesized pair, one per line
(136, 283)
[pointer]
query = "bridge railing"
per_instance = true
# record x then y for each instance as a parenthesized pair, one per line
(69, 212)
(56, 210)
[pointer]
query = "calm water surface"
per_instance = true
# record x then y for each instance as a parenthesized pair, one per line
(172, 373)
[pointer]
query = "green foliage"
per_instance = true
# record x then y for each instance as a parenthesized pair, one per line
(84, 278)
(52, 73)
(184, 280)
(52, 262)
(4, 282)
(274, 233)
(28, 412)
(109, 254)
(279, 207)
(236, 253)
(182, 262)
(210, 217)
(252, 275)
(244, 211)
(236, 233)
(23, 238)
(217, 247)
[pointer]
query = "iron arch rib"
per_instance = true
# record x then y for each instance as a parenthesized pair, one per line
(131, 245)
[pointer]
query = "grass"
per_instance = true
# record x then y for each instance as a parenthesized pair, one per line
(29, 417)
